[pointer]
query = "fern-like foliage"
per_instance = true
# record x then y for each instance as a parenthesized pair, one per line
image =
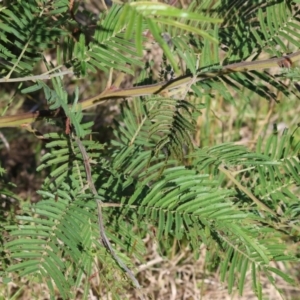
(241, 202)
(27, 29)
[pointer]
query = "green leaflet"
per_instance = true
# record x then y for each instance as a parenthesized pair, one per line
(159, 170)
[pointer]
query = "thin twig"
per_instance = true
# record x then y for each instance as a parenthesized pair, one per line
(157, 88)
(36, 77)
(246, 191)
(106, 243)
(4, 140)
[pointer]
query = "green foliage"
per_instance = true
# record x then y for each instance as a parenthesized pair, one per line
(239, 201)
(28, 29)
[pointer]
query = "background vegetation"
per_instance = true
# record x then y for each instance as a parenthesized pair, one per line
(195, 171)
